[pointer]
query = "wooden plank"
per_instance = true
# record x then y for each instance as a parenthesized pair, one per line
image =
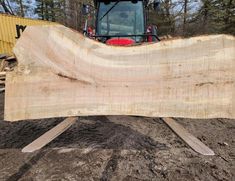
(191, 78)
(3, 65)
(50, 135)
(188, 138)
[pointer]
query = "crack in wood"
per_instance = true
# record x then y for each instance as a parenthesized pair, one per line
(74, 79)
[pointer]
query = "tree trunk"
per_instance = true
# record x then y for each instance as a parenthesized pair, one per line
(52, 7)
(21, 8)
(205, 16)
(42, 10)
(46, 11)
(185, 16)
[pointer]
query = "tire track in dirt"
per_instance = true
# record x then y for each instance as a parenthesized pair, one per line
(147, 143)
(111, 166)
(27, 166)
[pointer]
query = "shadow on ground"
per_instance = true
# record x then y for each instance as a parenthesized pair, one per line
(98, 132)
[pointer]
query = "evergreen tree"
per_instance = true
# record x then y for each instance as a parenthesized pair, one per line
(175, 17)
(46, 10)
(163, 18)
(217, 16)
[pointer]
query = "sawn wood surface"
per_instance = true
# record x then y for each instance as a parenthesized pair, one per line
(61, 73)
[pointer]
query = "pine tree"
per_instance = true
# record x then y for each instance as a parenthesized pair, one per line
(45, 9)
(20, 2)
(216, 16)
(224, 16)
(163, 18)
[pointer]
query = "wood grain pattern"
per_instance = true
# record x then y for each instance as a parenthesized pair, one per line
(61, 73)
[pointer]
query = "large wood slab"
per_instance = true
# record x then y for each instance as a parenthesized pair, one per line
(61, 73)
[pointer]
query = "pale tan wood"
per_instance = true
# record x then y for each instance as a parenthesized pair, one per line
(2, 73)
(61, 73)
(50, 135)
(188, 138)
(2, 65)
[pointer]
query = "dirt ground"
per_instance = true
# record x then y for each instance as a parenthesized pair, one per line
(117, 148)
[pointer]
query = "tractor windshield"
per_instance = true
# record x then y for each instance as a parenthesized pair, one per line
(121, 18)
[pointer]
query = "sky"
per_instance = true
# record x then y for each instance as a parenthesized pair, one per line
(30, 3)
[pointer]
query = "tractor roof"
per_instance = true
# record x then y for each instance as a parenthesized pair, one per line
(95, 1)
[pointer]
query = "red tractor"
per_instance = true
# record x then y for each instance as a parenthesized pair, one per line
(121, 22)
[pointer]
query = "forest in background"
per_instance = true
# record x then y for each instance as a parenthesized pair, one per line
(174, 17)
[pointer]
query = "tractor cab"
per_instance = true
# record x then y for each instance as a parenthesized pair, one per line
(122, 22)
